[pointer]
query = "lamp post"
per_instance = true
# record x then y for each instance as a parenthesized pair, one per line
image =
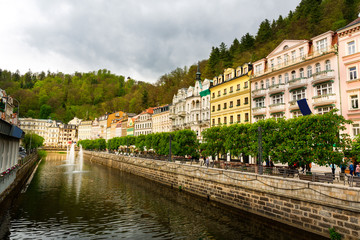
(260, 150)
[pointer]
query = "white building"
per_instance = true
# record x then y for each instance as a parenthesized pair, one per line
(37, 126)
(143, 122)
(161, 121)
(84, 131)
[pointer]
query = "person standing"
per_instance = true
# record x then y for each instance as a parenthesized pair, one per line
(357, 170)
(351, 168)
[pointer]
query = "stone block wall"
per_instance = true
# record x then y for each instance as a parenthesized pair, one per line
(314, 207)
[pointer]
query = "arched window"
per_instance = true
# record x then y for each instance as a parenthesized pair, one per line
(309, 71)
(256, 86)
(327, 65)
(280, 79)
(286, 77)
(267, 83)
(273, 81)
(262, 85)
(317, 68)
(301, 72)
(293, 75)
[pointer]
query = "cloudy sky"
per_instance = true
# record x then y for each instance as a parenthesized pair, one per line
(143, 39)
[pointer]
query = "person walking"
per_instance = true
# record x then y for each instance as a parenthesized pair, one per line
(357, 170)
(351, 168)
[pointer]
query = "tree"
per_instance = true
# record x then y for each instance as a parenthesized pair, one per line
(32, 141)
(45, 111)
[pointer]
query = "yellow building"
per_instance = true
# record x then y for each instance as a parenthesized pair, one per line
(230, 96)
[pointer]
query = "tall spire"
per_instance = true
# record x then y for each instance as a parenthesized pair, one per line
(198, 74)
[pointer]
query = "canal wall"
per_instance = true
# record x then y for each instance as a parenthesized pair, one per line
(311, 206)
(12, 184)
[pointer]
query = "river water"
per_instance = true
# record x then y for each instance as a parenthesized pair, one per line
(105, 203)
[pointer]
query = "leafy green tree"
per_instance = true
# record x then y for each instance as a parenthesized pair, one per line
(32, 141)
(45, 111)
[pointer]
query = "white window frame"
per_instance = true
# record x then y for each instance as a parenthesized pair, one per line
(277, 115)
(280, 79)
(324, 89)
(260, 102)
(352, 73)
(317, 68)
(302, 52)
(351, 47)
(298, 94)
(296, 114)
(355, 129)
(327, 65)
(277, 99)
(258, 118)
(323, 110)
(286, 77)
(321, 45)
(301, 73)
(309, 71)
(293, 56)
(354, 101)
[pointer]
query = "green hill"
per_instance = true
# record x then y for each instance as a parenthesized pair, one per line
(89, 95)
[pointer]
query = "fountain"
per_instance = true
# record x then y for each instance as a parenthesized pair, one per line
(71, 157)
(81, 159)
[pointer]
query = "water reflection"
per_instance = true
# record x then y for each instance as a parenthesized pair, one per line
(105, 203)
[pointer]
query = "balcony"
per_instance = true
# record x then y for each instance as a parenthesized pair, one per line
(258, 93)
(258, 110)
(277, 107)
(324, 99)
(298, 82)
(182, 113)
(293, 105)
(323, 76)
(276, 88)
(172, 115)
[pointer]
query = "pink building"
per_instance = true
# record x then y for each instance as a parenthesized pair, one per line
(294, 70)
(349, 64)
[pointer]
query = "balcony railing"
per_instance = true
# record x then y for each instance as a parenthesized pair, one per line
(258, 110)
(297, 82)
(324, 99)
(259, 92)
(323, 76)
(277, 107)
(277, 88)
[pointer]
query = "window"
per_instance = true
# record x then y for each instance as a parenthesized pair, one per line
(224, 105)
(296, 114)
(272, 62)
(354, 102)
(246, 100)
(321, 45)
(301, 73)
(258, 68)
(238, 73)
(273, 81)
(225, 120)
(323, 89)
(256, 86)
(323, 110)
(352, 73)
(293, 56)
(278, 115)
(218, 107)
(293, 75)
(309, 71)
(262, 84)
(317, 68)
(280, 79)
(277, 99)
(231, 104)
(245, 69)
(238, 118)
(257, 118)
(231, 89)
(267, 83)
(224, 91)
(302, 52)
(298, 94)
(279, 61)
(238, 87)
(213, 108)
(246, 117)
(351, 47)
(231, 119)
(259, 102)
(219, 122)
(327, 65)
(219, 93)
(286, 59)
(246, 84)
(238, 102)
(286, 77)
(356, 129)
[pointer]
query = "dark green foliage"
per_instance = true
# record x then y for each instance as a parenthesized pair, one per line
(334, 235)
(32, 140)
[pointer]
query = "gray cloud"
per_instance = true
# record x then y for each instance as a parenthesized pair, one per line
(143, 39)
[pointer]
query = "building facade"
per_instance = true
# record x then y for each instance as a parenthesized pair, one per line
(67, 135)
(295, 70)
(161, 121)
(230, 96)
(349, 64)
(84, 131)
(37, 126)
(143, 124)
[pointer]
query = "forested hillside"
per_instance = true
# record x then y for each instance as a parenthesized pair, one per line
(89, 95)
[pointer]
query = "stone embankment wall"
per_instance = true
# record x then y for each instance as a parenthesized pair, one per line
(314, 207)
(22, 175)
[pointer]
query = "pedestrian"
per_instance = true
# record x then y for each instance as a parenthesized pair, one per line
(357, 170)
(332, 166)
(271, 163)
(351, 168)
(207, 161)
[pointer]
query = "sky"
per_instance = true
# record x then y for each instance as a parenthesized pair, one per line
(140, 39)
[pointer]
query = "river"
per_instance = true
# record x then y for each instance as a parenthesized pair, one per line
(105, 203)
